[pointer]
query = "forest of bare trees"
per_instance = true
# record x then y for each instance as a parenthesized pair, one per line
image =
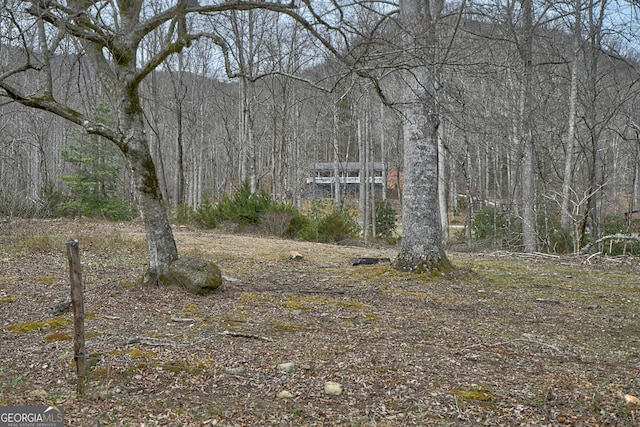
(533, 103)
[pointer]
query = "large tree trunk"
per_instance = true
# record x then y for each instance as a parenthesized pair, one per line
(529, 236)
(162, 247)
(421, 249)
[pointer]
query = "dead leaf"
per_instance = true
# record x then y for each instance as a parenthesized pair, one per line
(632, 400)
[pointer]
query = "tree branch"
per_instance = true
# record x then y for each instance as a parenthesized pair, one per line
(48, 103)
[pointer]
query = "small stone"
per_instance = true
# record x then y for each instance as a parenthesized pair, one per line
(38, 393)
(295, 255)
(332, 388)
(235, 371)
(286, 367)
(284, 394)
(60, 307)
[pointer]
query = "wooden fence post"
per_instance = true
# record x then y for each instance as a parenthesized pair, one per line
(77, 301)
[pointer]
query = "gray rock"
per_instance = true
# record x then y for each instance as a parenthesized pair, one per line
(196, 275)
(235, 371)
(286, 367)
(60, 307)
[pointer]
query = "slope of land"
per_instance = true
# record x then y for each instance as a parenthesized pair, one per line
(505, 340)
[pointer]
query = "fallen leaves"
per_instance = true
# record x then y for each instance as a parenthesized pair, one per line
(524, 341)
(631, 400)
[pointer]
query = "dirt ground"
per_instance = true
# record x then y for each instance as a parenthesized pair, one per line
(507, 339)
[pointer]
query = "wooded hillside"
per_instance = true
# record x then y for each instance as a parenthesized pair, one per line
(272, 103)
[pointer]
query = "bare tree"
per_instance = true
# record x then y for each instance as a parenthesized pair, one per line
(110, 35)
(422, 248)
(565, 212)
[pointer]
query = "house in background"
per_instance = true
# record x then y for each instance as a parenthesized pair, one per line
(321, 178)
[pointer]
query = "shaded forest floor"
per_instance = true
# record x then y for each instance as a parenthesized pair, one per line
(505, 340)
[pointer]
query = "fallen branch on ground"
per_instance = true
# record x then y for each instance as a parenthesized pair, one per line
(498, 344)
(244, 335)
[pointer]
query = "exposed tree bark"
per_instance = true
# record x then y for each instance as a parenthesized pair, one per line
(442, 185)
(565, 212)
(421, 249)
(529, 236)
(337, 185)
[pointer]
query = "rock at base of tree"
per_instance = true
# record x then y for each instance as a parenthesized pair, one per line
(196, 275)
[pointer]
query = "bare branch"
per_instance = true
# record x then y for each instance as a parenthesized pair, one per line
(48, 103)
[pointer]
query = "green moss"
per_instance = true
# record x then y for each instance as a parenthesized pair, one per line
(253, 297)
(53, 324)
(431, 267)
(89, 335)
(480, 393)
(58, 336)
(7, 299)
(137, 353)
(191, 310)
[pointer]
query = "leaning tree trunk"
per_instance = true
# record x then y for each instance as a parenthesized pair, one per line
(162, 246)
(421, 248)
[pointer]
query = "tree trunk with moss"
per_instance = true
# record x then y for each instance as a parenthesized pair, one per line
(421, 249)
(121, 77)
(160, 240)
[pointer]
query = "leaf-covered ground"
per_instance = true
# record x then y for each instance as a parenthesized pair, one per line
(505, 340)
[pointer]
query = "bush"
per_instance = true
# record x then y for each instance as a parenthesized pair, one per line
(274, 223)
(205, 215)
(97, 206)
(555, 240)
(258, 210)
(385, 219)
(484, 223)
(243, 207)
(184, 214)
(616, 224)
(337, 226)
(297, 222)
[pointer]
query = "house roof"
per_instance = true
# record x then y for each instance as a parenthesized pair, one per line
(343, 166)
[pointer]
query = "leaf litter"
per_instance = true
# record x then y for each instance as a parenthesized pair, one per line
(507, 339)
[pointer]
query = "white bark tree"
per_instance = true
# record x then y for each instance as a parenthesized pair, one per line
(421, 249)
(565, 213)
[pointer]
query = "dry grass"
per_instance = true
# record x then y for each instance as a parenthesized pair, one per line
(505, 340)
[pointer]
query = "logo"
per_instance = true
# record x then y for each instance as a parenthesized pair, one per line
(31, 416)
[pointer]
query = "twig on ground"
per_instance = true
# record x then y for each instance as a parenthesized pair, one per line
(155, 342)
(245, 335)
(553, 347)
(590, 257)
